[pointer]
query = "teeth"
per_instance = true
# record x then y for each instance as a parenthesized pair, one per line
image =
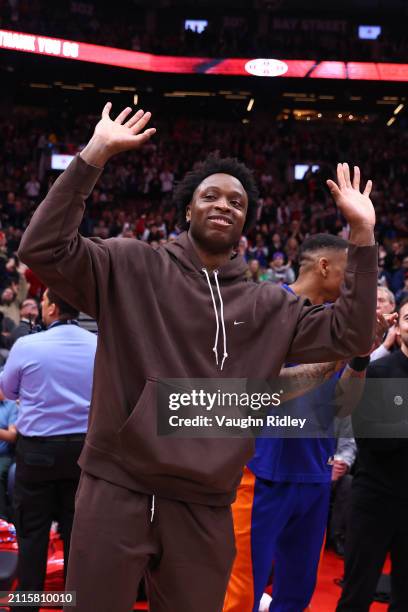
(223, 221)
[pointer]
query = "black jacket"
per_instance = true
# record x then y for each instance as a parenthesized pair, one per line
(380, 425)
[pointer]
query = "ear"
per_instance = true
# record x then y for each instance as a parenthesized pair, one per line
(188, 213)
(324, 267)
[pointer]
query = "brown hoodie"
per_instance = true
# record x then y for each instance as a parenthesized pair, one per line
(157, 312)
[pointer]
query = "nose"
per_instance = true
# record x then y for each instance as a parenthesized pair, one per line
(222, 204)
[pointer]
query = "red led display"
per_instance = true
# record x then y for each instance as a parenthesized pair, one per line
(265, 67)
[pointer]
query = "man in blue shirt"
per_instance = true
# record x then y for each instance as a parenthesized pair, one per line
(51, 373)
(8, 416)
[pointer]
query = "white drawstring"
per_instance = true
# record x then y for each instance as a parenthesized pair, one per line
(215, 348)
(152, 510)
(225, 354)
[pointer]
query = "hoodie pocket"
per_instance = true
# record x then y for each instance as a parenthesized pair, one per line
(214, 463)
(146, 402)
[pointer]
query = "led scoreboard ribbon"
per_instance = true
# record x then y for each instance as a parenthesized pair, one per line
(266, 67)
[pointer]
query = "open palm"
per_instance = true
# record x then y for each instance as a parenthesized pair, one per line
(354, 205)
(120, 134)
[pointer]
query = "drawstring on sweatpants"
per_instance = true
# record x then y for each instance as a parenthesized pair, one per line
(152, 510)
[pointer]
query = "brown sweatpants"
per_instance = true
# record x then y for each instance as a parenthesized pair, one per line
(186, 552)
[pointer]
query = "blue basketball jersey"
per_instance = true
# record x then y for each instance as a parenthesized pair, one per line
(300, 459)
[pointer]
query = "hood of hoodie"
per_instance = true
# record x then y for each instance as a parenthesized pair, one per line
(183, 250)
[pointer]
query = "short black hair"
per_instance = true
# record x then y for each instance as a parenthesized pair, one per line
(402, 303)
(66, 310)
(321, 241)
(213, 164)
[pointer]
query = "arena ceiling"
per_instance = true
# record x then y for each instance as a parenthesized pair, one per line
(25, 79)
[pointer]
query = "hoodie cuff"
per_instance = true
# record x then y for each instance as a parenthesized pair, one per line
(362, 259)
(80, 176)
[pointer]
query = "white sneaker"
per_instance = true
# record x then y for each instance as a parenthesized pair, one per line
(265, 603)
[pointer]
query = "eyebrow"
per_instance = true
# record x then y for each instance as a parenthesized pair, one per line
(231, 193)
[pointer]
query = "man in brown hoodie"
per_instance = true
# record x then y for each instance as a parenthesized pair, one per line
(156, 505)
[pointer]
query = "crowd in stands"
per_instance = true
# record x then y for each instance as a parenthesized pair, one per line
(239, 35)
(133, 197)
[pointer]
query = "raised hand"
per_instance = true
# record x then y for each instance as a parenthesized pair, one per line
(123, 133)
(112, 136)
(355, 206)
(384, 323)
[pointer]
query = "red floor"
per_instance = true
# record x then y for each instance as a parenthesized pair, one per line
(327, 592)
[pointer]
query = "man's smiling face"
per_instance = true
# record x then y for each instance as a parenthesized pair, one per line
(217, 212)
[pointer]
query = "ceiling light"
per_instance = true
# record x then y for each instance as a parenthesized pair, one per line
(124, 88)
(204, 94)
(74, 87)
(111, 91)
